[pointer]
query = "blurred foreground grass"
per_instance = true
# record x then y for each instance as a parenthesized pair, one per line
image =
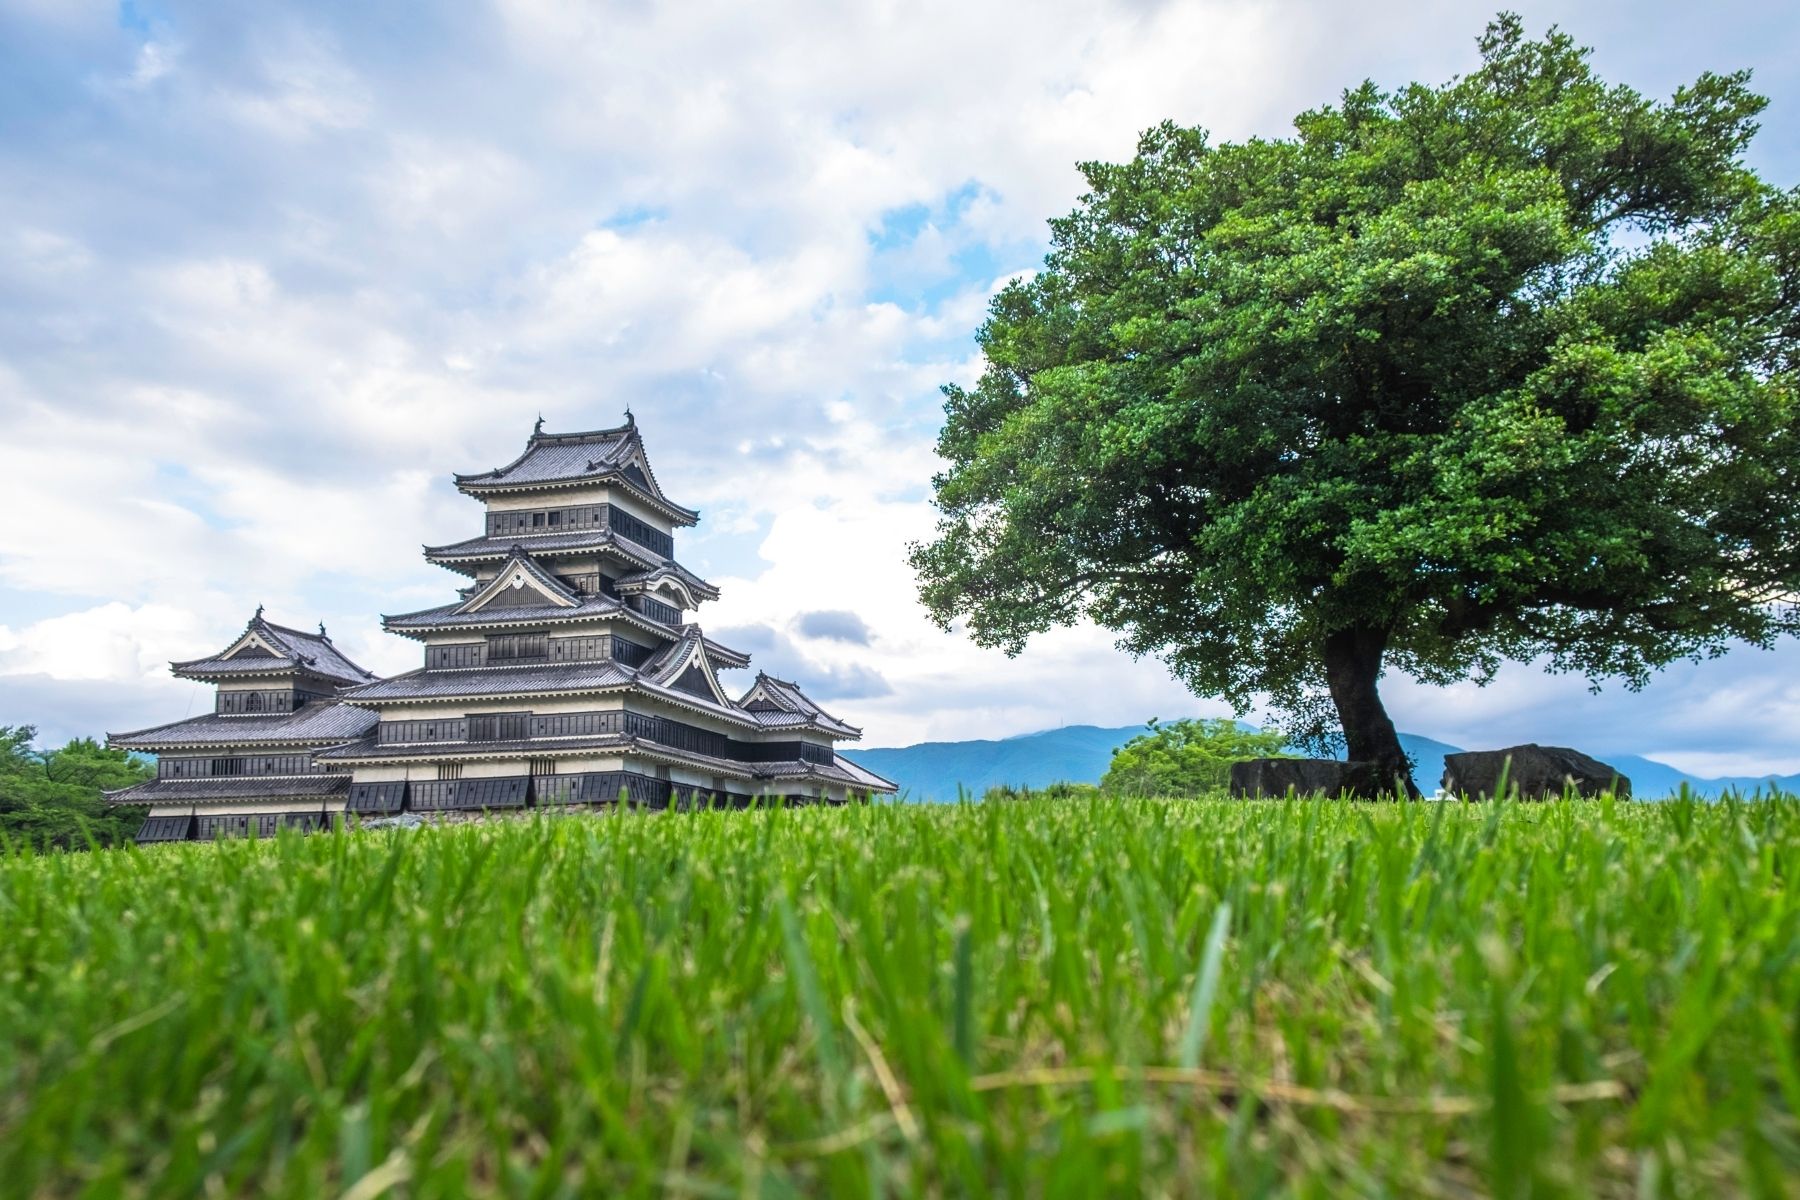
(1055, 998)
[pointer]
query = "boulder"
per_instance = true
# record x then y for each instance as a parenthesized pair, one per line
(1537, 773)
(1304, 776)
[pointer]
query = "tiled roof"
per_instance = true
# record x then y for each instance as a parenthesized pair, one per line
(592, 605)
(318, 653)
(661, 677)
(775, 719)
(294, 649)
(840, 771)
(322, 723)
(551, 458)
(452, 616)
(527, 679)
(549, 543)
(701, 589)
(863, 777)
(666, 663)
(205, 791)
(725, 656)
(355, 749)
(207, 668)
(655, 678)
(519, 564)
(788, 698)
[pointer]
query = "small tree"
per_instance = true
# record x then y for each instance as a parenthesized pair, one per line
(1186, 758)
(1494, 370)
(51, 799)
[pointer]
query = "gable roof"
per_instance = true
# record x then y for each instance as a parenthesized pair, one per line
(778, 697)
(238, 787)
(643, 581)
(601, 455)
(323, 723)
(265, 648)
(499, 614)
(478, 682)
(519, 574)
(840, 770)
(725, 656)
(685, 666)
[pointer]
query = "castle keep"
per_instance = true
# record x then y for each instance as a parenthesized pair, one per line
(569, 672)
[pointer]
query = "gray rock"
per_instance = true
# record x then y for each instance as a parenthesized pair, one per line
(1304, 776)
(1537, 772)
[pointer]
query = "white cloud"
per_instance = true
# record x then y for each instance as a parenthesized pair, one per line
(304, 89)
(46, 254)
(306, 264)
(111, 641)
(445, 187)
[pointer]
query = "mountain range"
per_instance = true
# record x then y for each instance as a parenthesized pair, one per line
(941, 771)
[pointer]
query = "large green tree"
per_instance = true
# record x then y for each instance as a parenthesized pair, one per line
(1494, 370)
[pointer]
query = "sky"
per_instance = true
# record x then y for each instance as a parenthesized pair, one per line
(269, 273)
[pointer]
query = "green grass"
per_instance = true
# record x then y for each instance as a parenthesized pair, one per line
(1048, 998)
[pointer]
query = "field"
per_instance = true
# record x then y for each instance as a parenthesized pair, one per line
(1042, 998)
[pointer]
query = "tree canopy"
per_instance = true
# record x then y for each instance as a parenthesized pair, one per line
(1499, 369)
(51, 799)
(1186, 758)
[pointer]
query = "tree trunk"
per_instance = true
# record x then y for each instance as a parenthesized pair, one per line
(1352, 669)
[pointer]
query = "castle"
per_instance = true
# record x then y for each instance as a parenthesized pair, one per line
(568, 673)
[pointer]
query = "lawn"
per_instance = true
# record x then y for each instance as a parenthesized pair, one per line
(1045, 998)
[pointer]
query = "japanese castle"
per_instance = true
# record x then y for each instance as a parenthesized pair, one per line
(568, 674)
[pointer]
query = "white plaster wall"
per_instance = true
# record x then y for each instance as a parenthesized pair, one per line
(386, 773)
(274, 681)
(492, 769)
(586, 764)
(558, 498)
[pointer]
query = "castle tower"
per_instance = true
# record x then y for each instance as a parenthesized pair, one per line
(571, 669)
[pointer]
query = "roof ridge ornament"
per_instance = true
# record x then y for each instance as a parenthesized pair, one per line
(538, 429)
(258, 615)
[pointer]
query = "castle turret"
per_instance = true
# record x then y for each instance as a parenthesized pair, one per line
(248, 764)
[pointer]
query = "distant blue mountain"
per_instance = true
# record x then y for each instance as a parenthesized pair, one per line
(1428, 760)
(934, 770)
(1651, 778)
(1080, 754)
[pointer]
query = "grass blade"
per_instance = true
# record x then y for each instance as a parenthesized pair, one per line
(1206, 989)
